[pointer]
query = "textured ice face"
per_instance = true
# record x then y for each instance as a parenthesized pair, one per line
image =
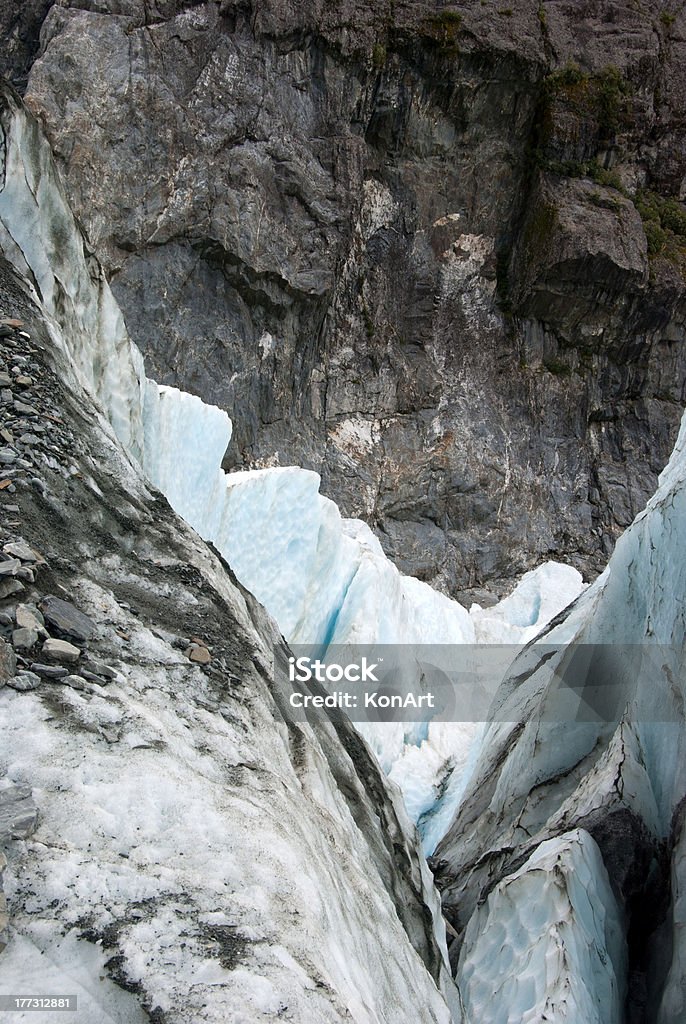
(184, 444)
(325, 579)
(39, 235)
(547, 943)
(200, 816)
(433, 775)
(640, 599)
(531, 784)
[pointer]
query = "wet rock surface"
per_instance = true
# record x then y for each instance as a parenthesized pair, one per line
(399, 245)
(20, 24)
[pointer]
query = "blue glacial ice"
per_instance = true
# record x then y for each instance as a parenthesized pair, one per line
(547, 943)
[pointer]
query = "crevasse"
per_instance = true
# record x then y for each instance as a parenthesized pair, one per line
(325, 579)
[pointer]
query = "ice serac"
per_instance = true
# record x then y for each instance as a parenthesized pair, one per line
(326, 579)
(539, 596)
(623, 783)
(184, 444)
(212, 860)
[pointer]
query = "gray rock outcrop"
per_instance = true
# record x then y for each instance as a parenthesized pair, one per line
(436, 255)
(18, 812)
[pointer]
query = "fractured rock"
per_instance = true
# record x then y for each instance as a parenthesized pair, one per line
(49, 671)
(9, 587)
(8, 662)
(60, 650)
(101, 670)
(24, 638)
(4, 916)
(20, 549)
(76, 682)
(25, 681)
(29, 616)
(199, 654)
(23, 409)
(66, 618)
(18, 812)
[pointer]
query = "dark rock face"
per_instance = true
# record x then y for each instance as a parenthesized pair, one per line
(400, 245)
(20, 24)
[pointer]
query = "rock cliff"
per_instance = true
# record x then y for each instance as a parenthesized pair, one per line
(434, 252)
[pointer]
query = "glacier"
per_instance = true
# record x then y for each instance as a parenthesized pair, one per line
(516, 812)
(624, 783)
(325, 579)
(221, 865)
(547, 943)
(40, 238)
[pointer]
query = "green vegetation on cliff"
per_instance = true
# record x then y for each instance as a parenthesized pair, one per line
(602, 97)
(444, 29)
(664, 222)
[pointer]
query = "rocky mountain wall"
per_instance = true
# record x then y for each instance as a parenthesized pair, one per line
(434, 252)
